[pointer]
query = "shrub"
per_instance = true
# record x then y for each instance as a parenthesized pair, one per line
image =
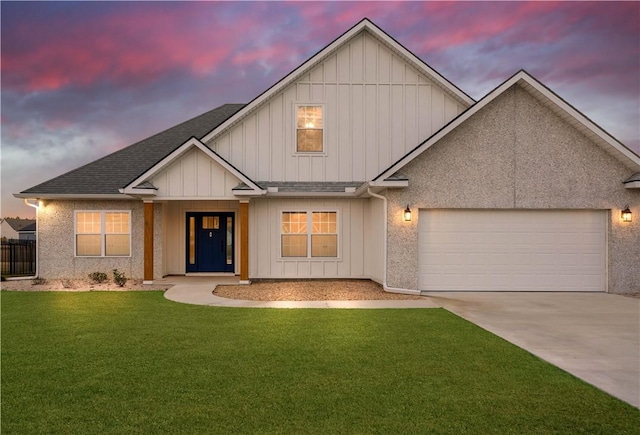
(98, 277)
(67, 283)
(39, 281)
(119, 278)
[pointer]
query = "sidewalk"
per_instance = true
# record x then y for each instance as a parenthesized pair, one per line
(199, 291)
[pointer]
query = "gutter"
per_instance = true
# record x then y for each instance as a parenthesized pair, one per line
(385, 287)
(20, 278)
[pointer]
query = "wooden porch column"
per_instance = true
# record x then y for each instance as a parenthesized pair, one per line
(244, 242)
(148, 242)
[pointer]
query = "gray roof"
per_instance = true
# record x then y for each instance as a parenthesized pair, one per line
(634, 177)
(31, 228)
(114, 171)
(19, 225)
(310, 186)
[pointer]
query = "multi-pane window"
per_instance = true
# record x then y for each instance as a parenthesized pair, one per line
(309, 130)
(294, 234)
(324, 234)
(103, 233)
(309, 234)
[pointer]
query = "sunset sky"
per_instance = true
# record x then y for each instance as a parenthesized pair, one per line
(83, 79)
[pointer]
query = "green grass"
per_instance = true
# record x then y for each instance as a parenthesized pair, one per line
(133, 362)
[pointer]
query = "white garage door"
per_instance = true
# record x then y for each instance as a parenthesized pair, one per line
(512, 250)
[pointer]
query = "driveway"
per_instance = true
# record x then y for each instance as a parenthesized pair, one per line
(594, 336)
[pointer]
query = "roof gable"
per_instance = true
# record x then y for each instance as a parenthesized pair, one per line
(551, 100)
(364, 25)
(144, 186)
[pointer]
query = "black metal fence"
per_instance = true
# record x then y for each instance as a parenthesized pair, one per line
(18, 257)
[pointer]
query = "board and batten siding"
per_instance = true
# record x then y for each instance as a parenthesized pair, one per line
(264, 240)
(174, 231)
(377, 108)
(194, 175)
(374, 248)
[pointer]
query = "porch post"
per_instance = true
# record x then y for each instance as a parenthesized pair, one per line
(148, 242)
(244, 242)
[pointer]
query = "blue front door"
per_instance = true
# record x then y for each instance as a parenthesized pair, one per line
(210, 242)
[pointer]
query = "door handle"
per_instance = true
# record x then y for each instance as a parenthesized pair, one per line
(210, 234)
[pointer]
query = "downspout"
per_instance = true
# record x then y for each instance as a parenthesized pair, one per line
(385, 287)
(18, 278)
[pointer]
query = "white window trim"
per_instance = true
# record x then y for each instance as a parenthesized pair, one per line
(309, 212)
(103, 233)
(322, 153)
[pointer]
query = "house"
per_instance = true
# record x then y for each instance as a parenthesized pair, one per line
(363, 162)
(18, 229)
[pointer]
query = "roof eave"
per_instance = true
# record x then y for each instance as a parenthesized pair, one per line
(67, 196)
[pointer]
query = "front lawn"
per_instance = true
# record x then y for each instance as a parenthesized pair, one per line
(133, 362)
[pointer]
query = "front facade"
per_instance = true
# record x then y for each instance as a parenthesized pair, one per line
(312, 178)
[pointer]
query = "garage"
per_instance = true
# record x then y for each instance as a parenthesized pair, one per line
(512, 250)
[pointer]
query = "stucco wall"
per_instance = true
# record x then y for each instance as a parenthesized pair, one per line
(56, 241)
(516, 154)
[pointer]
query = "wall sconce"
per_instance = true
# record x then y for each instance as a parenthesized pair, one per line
(407, 214)
(626, 214)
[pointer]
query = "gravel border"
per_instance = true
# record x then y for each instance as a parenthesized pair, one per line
(310, 290)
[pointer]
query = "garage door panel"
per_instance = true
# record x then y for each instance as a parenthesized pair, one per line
(512, 250)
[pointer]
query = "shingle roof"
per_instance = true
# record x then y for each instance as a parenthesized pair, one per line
(21, 224)
(310, 186)
(28, 228)
(634, 177)
(114, 171)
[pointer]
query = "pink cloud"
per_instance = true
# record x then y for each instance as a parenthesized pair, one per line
(124, 48)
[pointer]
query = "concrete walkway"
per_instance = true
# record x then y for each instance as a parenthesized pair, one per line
(199, 291)
(594, 336)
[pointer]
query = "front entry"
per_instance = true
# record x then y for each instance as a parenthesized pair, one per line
(210, 242)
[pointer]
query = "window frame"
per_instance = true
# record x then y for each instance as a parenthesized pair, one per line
(295, 130)
(103, 233)
(309, 233)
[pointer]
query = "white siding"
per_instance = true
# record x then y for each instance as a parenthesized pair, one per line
(374, 252)
(194, 175)
(264, 240)
(175, 231)
(377, 108)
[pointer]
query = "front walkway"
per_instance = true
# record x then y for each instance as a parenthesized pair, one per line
(199, 291)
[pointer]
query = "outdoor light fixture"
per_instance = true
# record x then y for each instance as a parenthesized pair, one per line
(407, 214)
(626, 215)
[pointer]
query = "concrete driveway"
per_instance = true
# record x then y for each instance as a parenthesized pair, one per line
(594, 336)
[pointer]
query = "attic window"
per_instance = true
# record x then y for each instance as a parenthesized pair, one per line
(309, 131)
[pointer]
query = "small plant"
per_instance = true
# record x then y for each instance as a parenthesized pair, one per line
(39, 281)
(119, 278)
(98, 277)
(67, 283)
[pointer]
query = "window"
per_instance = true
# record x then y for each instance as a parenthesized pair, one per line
(309, 234)
(309, 131)
(103, 233)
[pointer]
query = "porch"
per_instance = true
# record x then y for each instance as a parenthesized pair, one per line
(196, 237)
